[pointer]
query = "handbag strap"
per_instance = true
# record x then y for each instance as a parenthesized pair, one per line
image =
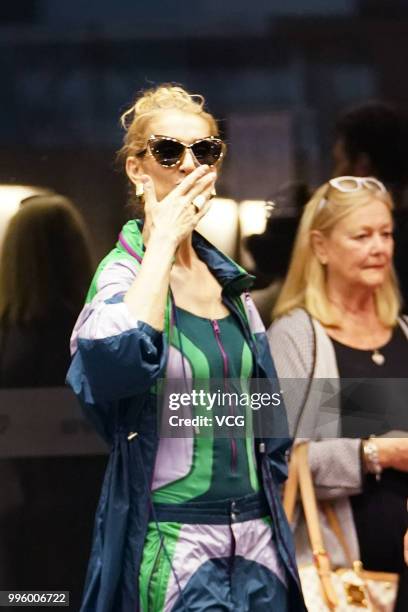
(300, 464)
(291, 487)
(335, 526)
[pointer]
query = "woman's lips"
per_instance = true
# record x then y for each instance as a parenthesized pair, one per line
(375, 267)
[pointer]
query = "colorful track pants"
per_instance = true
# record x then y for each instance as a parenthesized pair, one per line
(217, 556)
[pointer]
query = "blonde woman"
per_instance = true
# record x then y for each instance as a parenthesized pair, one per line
(338, 318)
(183, 523)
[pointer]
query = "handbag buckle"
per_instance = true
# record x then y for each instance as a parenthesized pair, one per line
(356, 594)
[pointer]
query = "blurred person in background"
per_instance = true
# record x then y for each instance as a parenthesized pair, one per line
(45, 267)
(338, 318)
(271, 250)
(45, 271)
(372, 140)
(183, 523)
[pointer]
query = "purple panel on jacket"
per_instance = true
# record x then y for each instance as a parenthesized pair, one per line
(175, 455)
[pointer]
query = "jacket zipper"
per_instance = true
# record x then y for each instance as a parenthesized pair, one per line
(217, 334)
(248, 336)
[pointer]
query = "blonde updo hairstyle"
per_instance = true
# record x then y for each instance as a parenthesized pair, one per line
(305, 283)
(136, 120)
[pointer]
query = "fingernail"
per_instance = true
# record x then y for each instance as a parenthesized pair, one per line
(145, 180)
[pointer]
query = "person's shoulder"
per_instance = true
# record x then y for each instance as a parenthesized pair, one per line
(117, 267)
(292, 341)
(294, 329)
(403, 323)
(128, 249)
(294, 321)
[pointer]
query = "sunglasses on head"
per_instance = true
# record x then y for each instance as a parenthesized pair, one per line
(169, 151)
(348, 184)
(351, 184)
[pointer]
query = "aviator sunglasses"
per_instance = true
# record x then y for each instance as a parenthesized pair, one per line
(169, 151)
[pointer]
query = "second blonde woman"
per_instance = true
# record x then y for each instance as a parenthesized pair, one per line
(339, 319)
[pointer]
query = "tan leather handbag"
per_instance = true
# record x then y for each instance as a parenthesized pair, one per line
(351, 589)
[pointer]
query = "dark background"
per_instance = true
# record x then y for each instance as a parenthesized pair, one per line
(69, 68)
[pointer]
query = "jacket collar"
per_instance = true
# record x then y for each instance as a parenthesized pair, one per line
(232, 277)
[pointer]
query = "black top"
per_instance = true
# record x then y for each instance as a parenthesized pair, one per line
(374, 397)
(374, 401)
(358, 363)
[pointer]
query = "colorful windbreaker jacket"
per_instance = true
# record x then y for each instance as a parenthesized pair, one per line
(116, 360)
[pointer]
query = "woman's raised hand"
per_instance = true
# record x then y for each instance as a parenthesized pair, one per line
(175, 216)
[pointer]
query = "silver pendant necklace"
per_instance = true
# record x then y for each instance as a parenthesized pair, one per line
(377, 357)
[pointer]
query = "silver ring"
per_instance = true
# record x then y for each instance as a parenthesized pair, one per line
(199, 201)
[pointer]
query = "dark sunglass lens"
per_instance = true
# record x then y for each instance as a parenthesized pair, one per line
(166, 152)
(207, 151)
